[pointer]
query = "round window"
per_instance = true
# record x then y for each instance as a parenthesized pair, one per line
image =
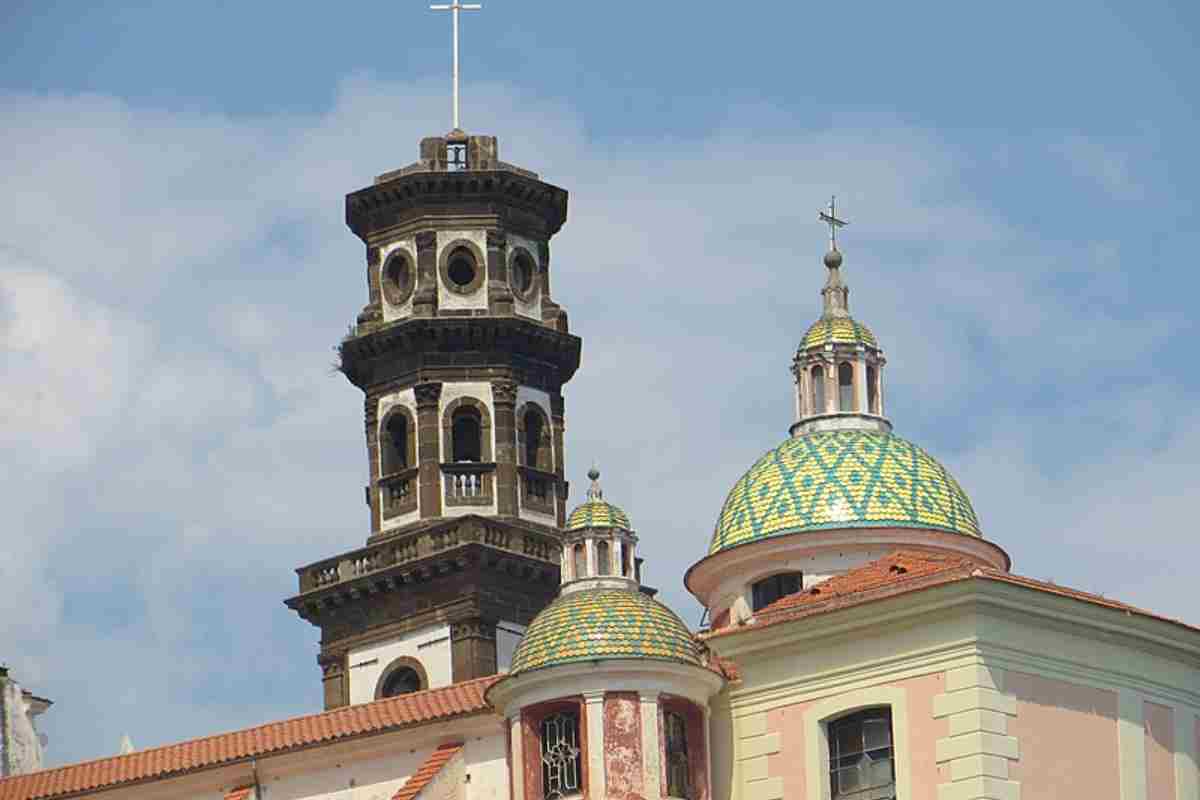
(522, 272)
(461, 268)
(398, 279)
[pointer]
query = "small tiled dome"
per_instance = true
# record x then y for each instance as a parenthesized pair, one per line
(826, 480)
(596, 512)
(838, 330)
(604, 624)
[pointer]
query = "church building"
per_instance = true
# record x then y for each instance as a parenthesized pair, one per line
(493, 640)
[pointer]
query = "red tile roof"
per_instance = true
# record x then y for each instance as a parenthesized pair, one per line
(903, 572)
(408, 710)
(427, 771)
(243, 793)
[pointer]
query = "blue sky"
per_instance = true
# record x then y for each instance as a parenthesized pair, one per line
(174, 272)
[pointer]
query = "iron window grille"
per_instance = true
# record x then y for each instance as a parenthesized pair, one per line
(861, 764)
(678, 774)
(560, 756)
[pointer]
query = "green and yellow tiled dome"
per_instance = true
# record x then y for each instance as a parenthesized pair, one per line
(842, 479)
(604, 624)
(597, 513)
(838, 330)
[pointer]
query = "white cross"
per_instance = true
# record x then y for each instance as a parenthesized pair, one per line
(454, 8)
(829, 217)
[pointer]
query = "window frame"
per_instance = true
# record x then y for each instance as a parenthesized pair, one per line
(819, 717)
(775, 576)
(859, 720)
(394, 666)
(531, 721)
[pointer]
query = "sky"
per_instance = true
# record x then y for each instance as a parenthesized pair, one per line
(175, 272)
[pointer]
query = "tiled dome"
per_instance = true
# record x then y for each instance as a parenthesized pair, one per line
(602, 624)
(838, 330)
(597, 513)
(842, 479)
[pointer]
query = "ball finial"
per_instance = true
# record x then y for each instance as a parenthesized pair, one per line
(594, 473)
(833, 259)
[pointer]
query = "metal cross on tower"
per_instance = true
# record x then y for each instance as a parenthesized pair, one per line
(829, 217)
(454, 8)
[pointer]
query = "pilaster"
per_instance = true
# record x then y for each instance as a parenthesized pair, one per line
(651, 768)
(978, 749)
(429, 470)
(1187, 754)
(516, 766)
(594, 715)
(1131, 744)
(425, 301)
(472, 649)
(860, 383)
(500, 296)
(504, 400)
(558, 424)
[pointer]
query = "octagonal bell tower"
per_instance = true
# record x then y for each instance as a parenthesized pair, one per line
(462, 355)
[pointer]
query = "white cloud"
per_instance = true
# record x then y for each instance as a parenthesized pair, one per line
(183, 278)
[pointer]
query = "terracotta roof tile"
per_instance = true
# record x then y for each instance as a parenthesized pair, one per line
(903, 572)
(427, 771)
(382, 715)
(242, 793)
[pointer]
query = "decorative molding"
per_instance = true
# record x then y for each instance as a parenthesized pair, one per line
(978, 749)
(427, 394)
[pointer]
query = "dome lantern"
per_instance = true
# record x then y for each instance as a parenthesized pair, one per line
(599, 545)
(838, 366)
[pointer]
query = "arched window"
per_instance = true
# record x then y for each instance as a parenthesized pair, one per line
(603, 559)
(403, 676)
(625, 559)
(678, 768)
(860, 756)
(845, 386)
(465, 433)
(818, 389)
(580, 561)
(561, 768)
(873, 390)
(770, 589)
(533, 439)
(394, 444)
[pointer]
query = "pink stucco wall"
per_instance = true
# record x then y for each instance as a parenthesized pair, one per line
(923, 733)
(1067, 736)
(1160, 752)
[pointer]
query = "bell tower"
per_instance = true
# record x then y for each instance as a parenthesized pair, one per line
(461, 354)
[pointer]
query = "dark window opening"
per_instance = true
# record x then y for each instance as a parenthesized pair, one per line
(603, 559)
(861, 765)
(873, 390)
(768, 590)
(466, 435)
(404, 680)
(533, 439)
(678, 772)
(818, 390)
(395, 444)
(456, 157)
(461, 267)
(580, 561)
(522, 273)
(561, 767)
(845, 386)
(399, 279)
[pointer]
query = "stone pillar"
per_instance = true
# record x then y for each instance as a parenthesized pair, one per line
(860, 384)
(500, 296)
(879, 388)
(594, 714)
(335, 679)
(652, 770)
(425, 297)
(472, 649)
(831, 385)
(429, 435)
(558, 423)
(371, 423)
(504, 402)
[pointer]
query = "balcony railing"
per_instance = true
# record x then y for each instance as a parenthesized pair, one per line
(398, 493)
(468, 483)
(537, 489)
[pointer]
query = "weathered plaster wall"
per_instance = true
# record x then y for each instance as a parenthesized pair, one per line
(430, 646)
(408, 247)
(1160, 752)
(623, 745)
(20, 746)
(487, 767)
(1065, 732)
(789, 761)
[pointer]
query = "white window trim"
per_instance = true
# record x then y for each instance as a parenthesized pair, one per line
(816, 736)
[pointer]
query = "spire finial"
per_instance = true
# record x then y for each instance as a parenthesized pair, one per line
(830, 218)
(594, 491)
(454, 7)
(836, 295)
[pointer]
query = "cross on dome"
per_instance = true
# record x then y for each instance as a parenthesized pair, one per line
(830, 218)
(454, 8)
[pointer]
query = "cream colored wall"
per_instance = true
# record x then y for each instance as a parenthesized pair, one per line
(1044, 698)
(409, 247)
(455, 300)
(430, 646)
